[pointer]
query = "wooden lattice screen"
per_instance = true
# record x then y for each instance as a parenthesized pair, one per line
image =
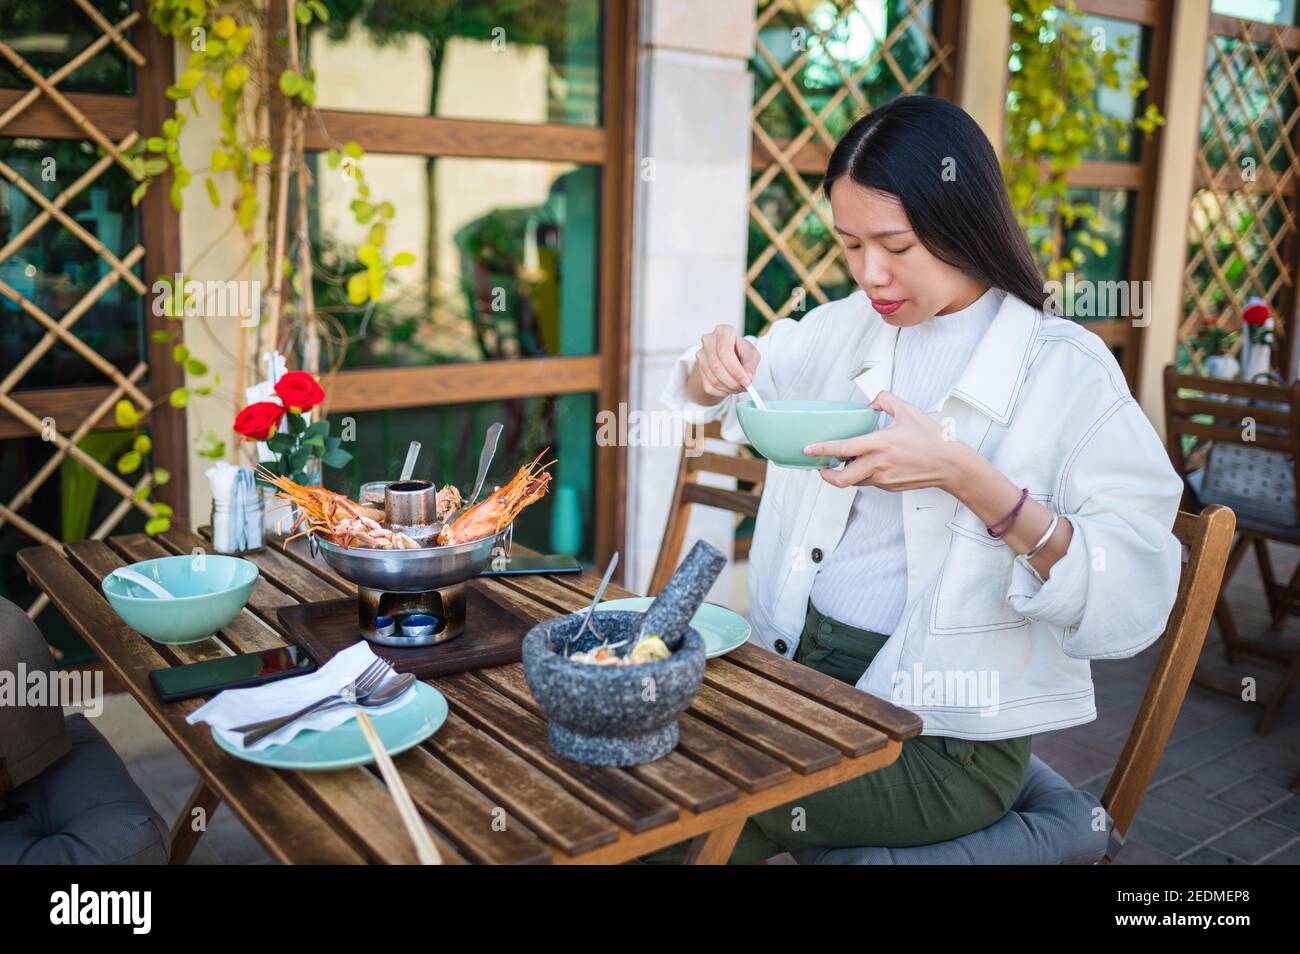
(818, 66)
(43, 110)
(1242, 228)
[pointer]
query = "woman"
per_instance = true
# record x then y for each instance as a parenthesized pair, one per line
(1008, 519)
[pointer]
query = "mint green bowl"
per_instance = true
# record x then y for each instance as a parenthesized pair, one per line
(210, 591)
(783, 429)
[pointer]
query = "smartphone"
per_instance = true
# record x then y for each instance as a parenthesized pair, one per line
(231, 672)
(542, 563)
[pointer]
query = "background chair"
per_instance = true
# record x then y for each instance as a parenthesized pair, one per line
(1219, 414)
(749, 473)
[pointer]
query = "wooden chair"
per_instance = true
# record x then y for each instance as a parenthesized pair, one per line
(1276, 428)
(1206, 539)
(1051, 821)
(688, 491)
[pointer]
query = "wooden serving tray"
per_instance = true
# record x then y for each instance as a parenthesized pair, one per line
(493, 636)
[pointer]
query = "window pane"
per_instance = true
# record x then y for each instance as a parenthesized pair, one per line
(1115, 209)
(48, 34)
(54, 269)
(1270, 11)
(525, 61)
(839, 43)
(1117, 104)
(453, 436)
(506, 259)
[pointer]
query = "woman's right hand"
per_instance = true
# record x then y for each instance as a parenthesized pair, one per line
(726, 362)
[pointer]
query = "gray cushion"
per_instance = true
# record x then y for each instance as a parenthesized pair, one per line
(1051, 823)
(32, 737)
(83, 809)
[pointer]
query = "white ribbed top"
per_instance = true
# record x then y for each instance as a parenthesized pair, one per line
(863, 581)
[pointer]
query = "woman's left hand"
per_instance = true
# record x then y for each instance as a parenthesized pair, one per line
(913, 451)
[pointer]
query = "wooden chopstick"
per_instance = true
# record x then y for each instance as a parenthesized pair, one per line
(425, 849)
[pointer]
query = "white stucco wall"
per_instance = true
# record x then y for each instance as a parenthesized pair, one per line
(689, 243)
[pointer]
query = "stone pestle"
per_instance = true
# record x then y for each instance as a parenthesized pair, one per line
(670, 614)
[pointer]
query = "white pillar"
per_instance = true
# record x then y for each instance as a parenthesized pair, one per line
(982, 66)
(689, 242)
(1180, 139)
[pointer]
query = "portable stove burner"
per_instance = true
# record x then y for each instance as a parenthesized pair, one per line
(413, 597)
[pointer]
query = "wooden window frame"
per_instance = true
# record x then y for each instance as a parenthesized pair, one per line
(608, 146)
(1135, 176)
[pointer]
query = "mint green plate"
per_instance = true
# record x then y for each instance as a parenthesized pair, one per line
(783, 429)
(344, 745)
(723, 630)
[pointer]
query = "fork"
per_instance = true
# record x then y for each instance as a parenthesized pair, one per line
(371, 677)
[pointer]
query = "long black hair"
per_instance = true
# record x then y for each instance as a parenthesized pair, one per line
(937, 161)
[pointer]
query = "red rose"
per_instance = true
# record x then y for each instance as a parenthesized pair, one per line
(1255, 315)
(299, 390)
(259, 421)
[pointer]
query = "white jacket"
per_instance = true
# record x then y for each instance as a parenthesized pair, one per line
(982, 649)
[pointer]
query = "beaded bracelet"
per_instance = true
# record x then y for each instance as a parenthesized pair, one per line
(1010, 518)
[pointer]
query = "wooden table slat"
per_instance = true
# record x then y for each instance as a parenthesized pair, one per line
(611, 791)
(778, 739)
(468, 817)
(895, 721)
(265, 802)
(850, 736)
(534, 796)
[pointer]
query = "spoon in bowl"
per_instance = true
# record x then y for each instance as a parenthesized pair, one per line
(595, 601)
(753, 396)
(408, 468)
(139, 579)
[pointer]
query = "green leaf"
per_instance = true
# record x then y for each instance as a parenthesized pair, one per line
(261, 155)
(161, 475)
(155, 525)
(126, 414)
(317, 429)
(403, 258)
(368, 255)
(296, 423)
(290, 83)
(128, 463)
(162, 337)
(336, 457)
(358, 288)
(196, 367)
(213, 194)
(142, 444)
(179, 397)
(282, 443)
(137, 195)
(155, 144)
(353, 149)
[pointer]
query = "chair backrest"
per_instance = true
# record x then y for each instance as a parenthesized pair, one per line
(689, 491)
(1206, 539)
(1276, 422)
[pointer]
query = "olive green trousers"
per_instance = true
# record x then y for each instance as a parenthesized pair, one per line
(939, 788)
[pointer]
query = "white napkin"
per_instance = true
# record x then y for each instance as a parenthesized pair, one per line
(241, 706)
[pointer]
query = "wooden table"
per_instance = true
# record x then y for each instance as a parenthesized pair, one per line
(762, 732)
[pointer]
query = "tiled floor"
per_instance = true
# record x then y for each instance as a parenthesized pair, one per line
(1220, 794)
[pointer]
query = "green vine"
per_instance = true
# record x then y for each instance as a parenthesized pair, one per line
(229, 64)
(1057, 70)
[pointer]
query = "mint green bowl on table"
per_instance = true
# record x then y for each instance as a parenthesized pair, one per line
(209, 590)
(783, 429)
